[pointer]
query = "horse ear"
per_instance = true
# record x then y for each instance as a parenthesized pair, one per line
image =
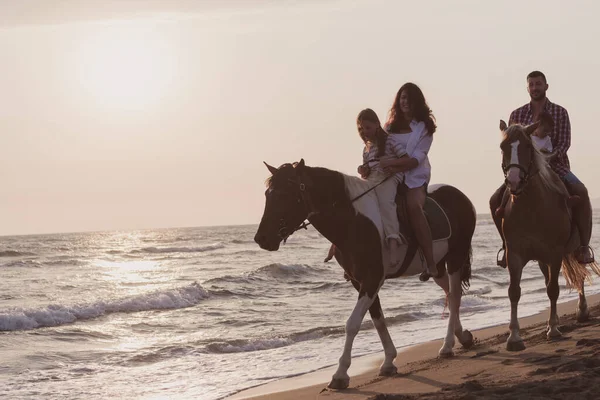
(503, 125)
(529, 129)
(300, 163)
(272, 170)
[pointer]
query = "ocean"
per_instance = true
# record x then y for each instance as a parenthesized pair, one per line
(203, 313)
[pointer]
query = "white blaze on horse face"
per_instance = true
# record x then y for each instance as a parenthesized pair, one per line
(514, 174)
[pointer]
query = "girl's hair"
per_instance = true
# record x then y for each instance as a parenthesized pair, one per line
(420, 110)
(380, 136)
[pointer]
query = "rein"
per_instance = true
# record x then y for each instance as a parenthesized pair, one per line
(308, 204)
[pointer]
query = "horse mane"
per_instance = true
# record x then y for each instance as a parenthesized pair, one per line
(547, 176)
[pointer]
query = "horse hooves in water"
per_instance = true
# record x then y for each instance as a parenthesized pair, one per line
(338, 384)
(388, 371)
(515, 346)
(467, 344)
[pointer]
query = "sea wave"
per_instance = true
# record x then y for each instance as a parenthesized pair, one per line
(479, 292)
(277, 270)
(55, 315)
(14, 253)
(239, 241)
(22, 264)
(259, 344)
(160, 250)
(268, 272)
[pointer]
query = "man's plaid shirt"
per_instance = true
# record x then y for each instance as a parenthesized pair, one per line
(560, 136)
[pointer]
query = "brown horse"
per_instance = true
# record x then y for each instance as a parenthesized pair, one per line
(537, 225)
(343, 210)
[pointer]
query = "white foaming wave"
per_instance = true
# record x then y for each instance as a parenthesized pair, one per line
(160, 250)
(54, 315)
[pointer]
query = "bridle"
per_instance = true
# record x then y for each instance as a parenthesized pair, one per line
(525, 171)
(285, 232)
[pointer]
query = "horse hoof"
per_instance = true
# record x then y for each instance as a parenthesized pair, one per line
(388, 371)
(583, 316)
(339, 384)
(515, 346)
(553, 334)
(467, 344)
(446, 353)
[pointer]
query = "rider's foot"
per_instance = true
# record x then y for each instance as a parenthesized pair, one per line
(394, 253)
(585, 255)
(573, 201)
(501, 262)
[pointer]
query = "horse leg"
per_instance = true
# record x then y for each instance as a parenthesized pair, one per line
(387, 368)
(546, 271)
(341, 379)
(465, 337)
(583, 314)
(444, 283)
(452, 285)
(553, 290)
(515, 268)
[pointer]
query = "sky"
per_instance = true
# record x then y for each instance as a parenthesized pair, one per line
(152, 114)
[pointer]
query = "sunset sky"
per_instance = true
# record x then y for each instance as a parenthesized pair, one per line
(146, 114)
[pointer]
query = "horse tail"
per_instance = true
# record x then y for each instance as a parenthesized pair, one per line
(465, 271)
(575, 273)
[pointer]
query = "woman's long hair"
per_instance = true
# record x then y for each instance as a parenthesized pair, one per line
(420, 110)
(380, 136)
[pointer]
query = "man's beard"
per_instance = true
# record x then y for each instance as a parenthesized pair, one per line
(541, 95)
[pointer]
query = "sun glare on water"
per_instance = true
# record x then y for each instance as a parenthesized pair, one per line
(125, 66)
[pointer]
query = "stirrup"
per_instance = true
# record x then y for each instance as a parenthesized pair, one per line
(579, 256)
(501, 261)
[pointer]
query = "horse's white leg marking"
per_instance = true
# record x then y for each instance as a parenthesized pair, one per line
(553, 291)
(388, 367)
(583, 314)
(341, 379)
(454, 325)
(513, 176)
(446, 349)
(515, 266)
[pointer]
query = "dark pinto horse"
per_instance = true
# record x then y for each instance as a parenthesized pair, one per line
(328, 199)
(537, 225)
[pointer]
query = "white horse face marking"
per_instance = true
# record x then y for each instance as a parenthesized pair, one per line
(513, 176)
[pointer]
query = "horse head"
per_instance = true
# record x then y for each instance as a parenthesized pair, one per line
(517, 155)
(285, 208)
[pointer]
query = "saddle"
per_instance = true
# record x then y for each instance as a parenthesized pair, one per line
(438, 221)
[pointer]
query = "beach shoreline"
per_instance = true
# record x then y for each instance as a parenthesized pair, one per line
(418, 364)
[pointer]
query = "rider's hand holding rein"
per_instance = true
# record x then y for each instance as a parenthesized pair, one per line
(364, 171)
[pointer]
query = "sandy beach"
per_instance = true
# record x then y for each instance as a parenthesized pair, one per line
(568, 368)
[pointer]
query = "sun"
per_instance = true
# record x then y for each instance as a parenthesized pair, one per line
(125, 67)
